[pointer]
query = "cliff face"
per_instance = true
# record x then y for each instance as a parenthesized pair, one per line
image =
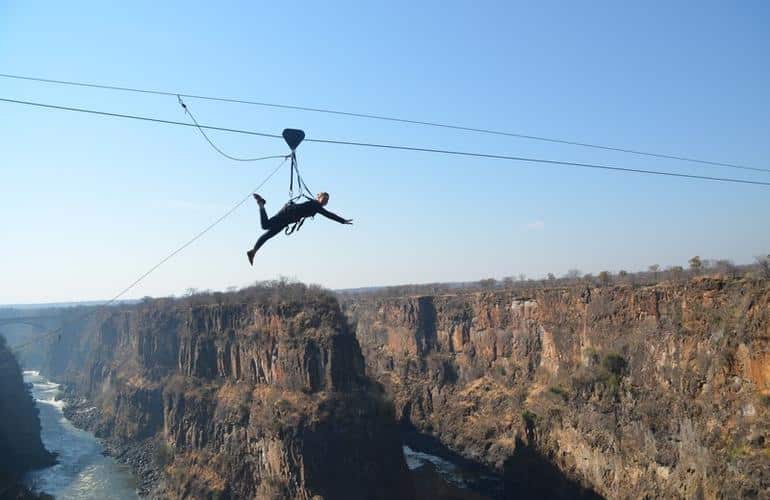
(261, 399)
(20, 446)
(632, 392)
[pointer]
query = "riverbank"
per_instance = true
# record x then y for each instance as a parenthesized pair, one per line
(140, 456)
(435, 472)
(83, 469)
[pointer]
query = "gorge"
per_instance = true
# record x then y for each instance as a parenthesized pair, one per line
(658, 391)
(285, 391)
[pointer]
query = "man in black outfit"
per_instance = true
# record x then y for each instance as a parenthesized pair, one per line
(291, 213)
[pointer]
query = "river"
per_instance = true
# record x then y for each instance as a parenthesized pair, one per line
(82, 472)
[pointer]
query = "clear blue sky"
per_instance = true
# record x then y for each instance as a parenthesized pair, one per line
(90, 203)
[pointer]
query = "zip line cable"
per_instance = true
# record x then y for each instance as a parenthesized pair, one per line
(539, 160)
(214, 146)
(402, 148)
(384, 118)
(142, 118)
(156, 266)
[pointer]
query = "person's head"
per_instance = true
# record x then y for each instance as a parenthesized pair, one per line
(323, 198)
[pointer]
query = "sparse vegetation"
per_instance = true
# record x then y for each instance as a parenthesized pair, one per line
(735, 452)
(676, 274)
(592, 355)
(601, 307)
(606, 369)
(559, 391)
(573, 274)
(696, 265)
(726, 267)
(763, 266)
(281, 291)
(488, 284)
(529, 418)
(164, 454)
(575, 278)
(614, 363)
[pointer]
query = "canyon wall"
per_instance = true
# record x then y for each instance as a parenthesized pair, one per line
(253, 397)
(651, 392)
(21, 448)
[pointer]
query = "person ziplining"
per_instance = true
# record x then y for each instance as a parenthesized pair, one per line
(291, 213)
(291, 217)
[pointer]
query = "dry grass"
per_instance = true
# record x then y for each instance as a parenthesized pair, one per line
(194, 465)
(233, 394)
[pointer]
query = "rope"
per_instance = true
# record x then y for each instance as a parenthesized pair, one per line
(211, 143)
(156, 266)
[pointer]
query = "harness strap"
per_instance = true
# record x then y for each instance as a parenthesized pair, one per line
(291, 180)
(304, 192)
(295, 227)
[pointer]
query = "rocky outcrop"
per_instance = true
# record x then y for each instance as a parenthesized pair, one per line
(259, 397)
(21, 448)
(656, 392)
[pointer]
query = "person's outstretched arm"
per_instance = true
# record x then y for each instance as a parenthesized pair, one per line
(334, 217)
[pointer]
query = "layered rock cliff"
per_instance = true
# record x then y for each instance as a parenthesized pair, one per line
(241, 396)
(21, 448)
(652, 392)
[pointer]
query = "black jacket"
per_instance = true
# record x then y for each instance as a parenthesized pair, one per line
(293, 212)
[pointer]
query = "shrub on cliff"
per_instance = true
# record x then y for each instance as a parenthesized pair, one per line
(164, 454)
(529, 418)
(605, 375)
(559, 391)
(614, 363)
(272, 292)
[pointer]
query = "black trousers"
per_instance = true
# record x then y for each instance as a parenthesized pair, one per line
(272, 227)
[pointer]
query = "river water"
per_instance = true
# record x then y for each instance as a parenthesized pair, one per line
(82, 472)
(458, 476)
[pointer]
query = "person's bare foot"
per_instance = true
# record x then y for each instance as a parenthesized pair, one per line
(260, 201)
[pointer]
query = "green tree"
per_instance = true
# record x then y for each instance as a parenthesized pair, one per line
(696, 265)
(604, 278)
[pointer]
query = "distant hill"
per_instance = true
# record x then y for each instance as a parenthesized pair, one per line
(52, 305)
